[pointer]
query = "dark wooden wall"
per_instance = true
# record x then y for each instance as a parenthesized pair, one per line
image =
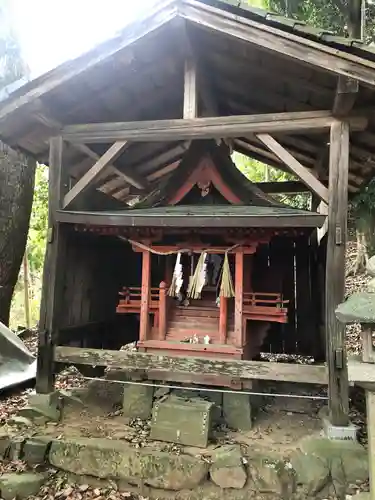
(292, 266)
(96, 269)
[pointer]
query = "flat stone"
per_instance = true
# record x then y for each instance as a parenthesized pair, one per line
(35, 450)
(20, 421)
(20, 486)
(40, 414)
(270, 475)
(362, 496)
(370, 267)
(137, 401)
(237, 411)
(108, 459)
(5, 441)
(44, 400)
(322, 464)
(360, 307)
(16, 448)
(227, 470)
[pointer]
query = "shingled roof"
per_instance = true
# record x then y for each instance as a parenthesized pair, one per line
(250, 60)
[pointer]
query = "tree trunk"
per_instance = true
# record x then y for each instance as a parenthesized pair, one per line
(362, 255)
(17, 175)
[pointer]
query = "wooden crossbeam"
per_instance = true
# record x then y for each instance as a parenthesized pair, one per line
(113, 152)
(345, 97)
(295, 166)
(132, 179)
(169, 365)
(205, 128)
(287, 187)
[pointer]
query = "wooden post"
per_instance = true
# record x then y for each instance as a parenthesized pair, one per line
(145, 295)
(370, 407)
(238, 301)
(223, 320)
(335, 273)
(53, 275)
(163, 297)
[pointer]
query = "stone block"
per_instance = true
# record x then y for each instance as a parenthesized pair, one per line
(20, 486)
(50, 400)
(322, 464)
(35, 450)
(269, 474)
(227, 470)
(177, 420)
(137, 401)
(19, 421)
(237, 411)
(5, 441)
(40, 414)
(117, 460)
(16, 448)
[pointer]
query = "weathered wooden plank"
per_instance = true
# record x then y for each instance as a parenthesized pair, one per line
(129, 220)
(52, 293)
(280, 42)
(295, 166)
(131, 179)
(190, 89)
(246, 370)
(109, 156)
(335, 273)
(205, 128)
(370, 409)
(345, 97)
(283, 187)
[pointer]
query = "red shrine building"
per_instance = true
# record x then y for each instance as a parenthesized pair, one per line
(209, 207)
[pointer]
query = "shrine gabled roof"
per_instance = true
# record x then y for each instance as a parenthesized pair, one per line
(253, 61)
(242, 188)
(199, 216)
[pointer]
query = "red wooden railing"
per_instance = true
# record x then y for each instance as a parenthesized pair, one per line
(130, 302)
(265, 306)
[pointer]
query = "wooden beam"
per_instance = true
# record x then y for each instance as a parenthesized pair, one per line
(190, 89)
(335, 273)
(131, 179)
(53, 274)
(287, 187)
(113, 152)
(205, 128)
(281, 42)
(345, 97)
(245, 370)
(295, 166)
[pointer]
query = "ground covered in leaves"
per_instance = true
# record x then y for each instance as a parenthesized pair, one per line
(60, 486)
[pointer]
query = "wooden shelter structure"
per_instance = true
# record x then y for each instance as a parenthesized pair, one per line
(121, 121)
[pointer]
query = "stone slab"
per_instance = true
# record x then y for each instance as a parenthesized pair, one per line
(227, 470)
(182, 421)
(107, 459)
(359, 307)
(35, 450)
(20, 486)
(237, 411)
(137, 401)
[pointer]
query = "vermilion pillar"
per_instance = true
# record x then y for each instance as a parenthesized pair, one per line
(145, 295)
(238, 301)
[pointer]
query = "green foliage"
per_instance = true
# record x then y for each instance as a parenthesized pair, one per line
(257, 171)
(38, 221)
(331, 15)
